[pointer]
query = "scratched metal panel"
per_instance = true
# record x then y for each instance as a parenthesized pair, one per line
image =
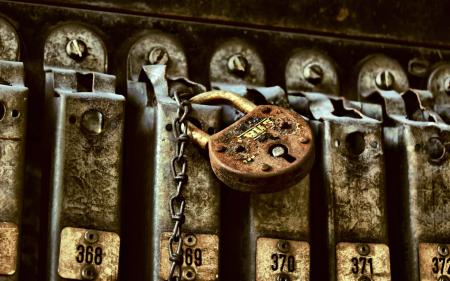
(282, 213)
(92, 165)
(13, 117)
(428, 186)
(356, 183)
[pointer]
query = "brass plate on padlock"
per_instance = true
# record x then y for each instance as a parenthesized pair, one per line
(9, 236)
(277, 258)
(269, 149)
(362, 261)
(88, 254)
(201, 257)
(434, 261)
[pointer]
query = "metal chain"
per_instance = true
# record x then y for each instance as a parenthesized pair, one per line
(177, 201)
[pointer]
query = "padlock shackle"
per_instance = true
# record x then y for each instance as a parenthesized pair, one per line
(240, 103)
(198, 136)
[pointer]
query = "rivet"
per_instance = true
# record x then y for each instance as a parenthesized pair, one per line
(88, 272)
(283, 246)
(91, 236)
(363, 249)
(189, 274)
(190, 240)
(443, 250)
(265, 167)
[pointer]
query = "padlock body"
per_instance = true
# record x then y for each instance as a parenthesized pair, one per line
(269, 149)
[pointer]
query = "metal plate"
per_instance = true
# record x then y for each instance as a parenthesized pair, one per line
(352, 263)
(277, 258)
(83, 248)
(201, 257)
(9, 236)
(433, 262)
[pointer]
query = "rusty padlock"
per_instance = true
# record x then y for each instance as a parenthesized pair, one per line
(267, 150)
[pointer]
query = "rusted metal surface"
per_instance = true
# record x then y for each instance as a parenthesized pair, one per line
(202, 192)
(283, 213)
(141, 51)
(416, 138)
(278, 259)
(9, 41)
(75, 46)
(286, 216)
(9, 241)
(362, 262)
(434, 261)
(243, 157)
(312, 71)
(201, 257)
(380, 72)
(236, 62)
(89, 254)
(352, 171)
(86, 163)
(13, 118)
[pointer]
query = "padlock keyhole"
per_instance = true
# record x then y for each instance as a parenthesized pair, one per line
(280, 150)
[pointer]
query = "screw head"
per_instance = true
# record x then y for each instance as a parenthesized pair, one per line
(190, 240)
(385, 80)
(189, 274)
(278, 151)
(283, 246)
(364, 278)
(283, 277)
(313, 73)
(76, 49)
(443, 250)
(91, 236)
(158, 55)
(444, 278)
(447, 85)
(92, 122)
(238, 64)
(363, 249)
(88, 272)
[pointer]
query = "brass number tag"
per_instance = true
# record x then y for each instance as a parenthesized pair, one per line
(434, 261)
(282, 260)
(87, 254)
(356, 262)
(201, 257)
(9, 235)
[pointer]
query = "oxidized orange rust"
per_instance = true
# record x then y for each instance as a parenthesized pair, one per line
(241, 154)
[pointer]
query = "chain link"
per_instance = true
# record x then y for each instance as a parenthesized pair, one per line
(177, 201)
